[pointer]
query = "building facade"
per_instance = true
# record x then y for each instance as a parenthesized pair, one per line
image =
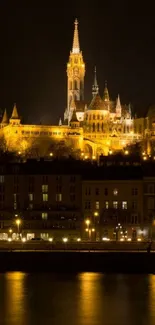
(102, 125)
(59, 198)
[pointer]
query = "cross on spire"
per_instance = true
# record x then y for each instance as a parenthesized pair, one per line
(76, 45)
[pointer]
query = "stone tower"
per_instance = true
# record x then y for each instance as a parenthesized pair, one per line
(75, 75)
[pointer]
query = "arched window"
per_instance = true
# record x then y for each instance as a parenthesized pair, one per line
(93, 127)
(127, 129)
(94, 117)
(89, 117)
(98, 127)
(102, 127)
(98, 116)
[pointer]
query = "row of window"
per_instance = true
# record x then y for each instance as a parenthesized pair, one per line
(115, 205)
(134, 191)
(32, 179)
(43, 133)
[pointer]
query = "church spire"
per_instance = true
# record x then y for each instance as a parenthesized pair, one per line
(106, 93)
(76, 45)
(95, 87)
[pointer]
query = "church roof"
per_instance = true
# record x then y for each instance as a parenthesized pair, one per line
(96, 103)
(80, 105)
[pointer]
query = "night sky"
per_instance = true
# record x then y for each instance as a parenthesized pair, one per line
(35, 39)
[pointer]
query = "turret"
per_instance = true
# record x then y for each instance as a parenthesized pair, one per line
(60, 122)
(95, 88)
(74, 123)
(15, 119)
(4, 118)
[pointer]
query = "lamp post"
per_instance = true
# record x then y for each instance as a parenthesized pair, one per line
(18, 222)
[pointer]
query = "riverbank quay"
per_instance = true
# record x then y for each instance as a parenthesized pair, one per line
(77, 261)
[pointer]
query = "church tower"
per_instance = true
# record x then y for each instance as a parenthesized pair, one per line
(75, 75)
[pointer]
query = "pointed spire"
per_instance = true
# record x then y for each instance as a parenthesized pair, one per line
(76, 45)
(14, 113)
(106, 93)
(95, 88)
(5, 118)
(60, 122)
(118, 107)
(118, 104)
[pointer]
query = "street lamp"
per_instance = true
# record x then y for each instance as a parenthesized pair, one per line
(18, 222)
(10, 231)
(87, 222)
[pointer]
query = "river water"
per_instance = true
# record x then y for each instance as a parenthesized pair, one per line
(76, 299)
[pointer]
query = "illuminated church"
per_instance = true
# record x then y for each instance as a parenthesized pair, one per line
(94, 128)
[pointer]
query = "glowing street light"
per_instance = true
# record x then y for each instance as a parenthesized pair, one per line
(65, 239)
(10, 231)
(87, 222)
(18, 222)
(51, 154)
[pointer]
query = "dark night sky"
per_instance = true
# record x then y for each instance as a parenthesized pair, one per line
(35, 39)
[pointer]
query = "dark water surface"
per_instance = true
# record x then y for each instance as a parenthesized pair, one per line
(76, 299)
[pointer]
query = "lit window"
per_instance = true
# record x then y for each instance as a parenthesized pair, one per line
(124, 205)
(115, 192)
(106, 204)
(44, 236)
(115, 204)
(30, 196)
(44, 215)
(15, 205)
(59, 197)
(97, 205)
(15, 197)
(44, 188)
(1, 178)
(45, 197)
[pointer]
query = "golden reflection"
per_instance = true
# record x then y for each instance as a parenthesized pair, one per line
(15, 298)
(90, 298)
(152, 297)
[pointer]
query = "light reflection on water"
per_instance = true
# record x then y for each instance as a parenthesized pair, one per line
(76, 299)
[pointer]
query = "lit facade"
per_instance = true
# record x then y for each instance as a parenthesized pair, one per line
(100, 127)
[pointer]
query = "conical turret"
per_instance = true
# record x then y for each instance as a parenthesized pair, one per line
(4, 118)
(60, 122)
(74, 121)
(15, 119)
(106, 93)
(76, 45)
(95, 88)
(14, 112)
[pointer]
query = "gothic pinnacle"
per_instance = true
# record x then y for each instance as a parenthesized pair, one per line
(76, 46)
